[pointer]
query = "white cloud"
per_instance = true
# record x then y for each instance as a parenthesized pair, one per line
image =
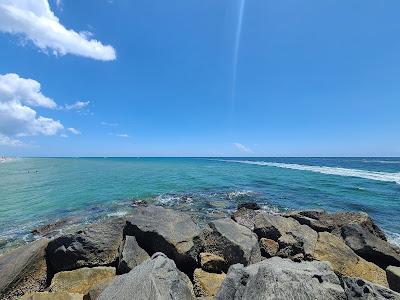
(243, 148)
(63, 135)
(73, 130)
(109, 124)
(78, 105)
(36, 22)
(124, 135)
(16, 118)
(7, 141)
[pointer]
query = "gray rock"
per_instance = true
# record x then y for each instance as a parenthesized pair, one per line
(96, 245)
(323, 221)
(277, 278)
(245, 217)
(393, 277)
(357, 288)
(369, 247)
(268, 247)
(171, 232)
(23, 269)
(131, 255)
(234, 242)
(293, 238)
(155, 279)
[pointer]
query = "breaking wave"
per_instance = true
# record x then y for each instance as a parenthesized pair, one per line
(380, 176)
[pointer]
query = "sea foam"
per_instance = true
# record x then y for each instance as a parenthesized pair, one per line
(380, 176)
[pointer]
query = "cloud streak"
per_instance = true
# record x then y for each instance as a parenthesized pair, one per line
(37, 23)
(242, 148)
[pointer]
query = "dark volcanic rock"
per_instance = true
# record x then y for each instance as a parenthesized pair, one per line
(245, 217)
(249, 205)
(278, 278)
(171, 232)
(393, 277)
(23, 269)
(357, 288)
(131, 255)
(233, 242)
(96, 245)
(155, 279)
(369, 247)
(322, 221)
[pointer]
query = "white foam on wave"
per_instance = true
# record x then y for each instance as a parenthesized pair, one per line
(380, 176)
(394, 238)
(382, 161)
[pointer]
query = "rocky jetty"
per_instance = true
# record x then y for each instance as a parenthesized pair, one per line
(161, 253)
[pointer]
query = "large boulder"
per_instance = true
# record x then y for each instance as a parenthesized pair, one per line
(344, 261)
(80, 281)
(155, 279)
(393, 277)
(234, 242)
(245, 217)
(359, 289)
(277, 278)
(212, 263)
(369, 247)
(23, 269)
(52, 296)
(294, 239)
(207, 284)
(171, 232)
(131, 255)
(322, 221)
(95, 245)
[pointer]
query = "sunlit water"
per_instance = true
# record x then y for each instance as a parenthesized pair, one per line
(42, 190)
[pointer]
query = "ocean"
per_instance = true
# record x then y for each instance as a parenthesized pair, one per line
(39, 191)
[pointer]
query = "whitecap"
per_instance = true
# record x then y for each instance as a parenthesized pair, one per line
(373, 175)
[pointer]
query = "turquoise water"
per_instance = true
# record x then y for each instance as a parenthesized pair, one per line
(42, 190)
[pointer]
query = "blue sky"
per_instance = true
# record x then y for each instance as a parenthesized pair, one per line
(313, 78)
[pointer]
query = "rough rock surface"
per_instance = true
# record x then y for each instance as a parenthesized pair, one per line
(393, 277)
(213, 263)
(294, 239)
(369, 247)
(234, 242)
(278, 278)
(52, 296)
(245, 217)
(95, 245)
(344, 261)
(80, 281)
(23, 269)
(322, 221)
(207, 284)
(357, 288)
(268, 247)
(171, 232)
(249, 205)
(131, 255)
(155, 279)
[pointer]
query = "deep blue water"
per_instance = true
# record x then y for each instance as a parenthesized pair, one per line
(42, 190)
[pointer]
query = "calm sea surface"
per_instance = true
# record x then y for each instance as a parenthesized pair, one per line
(35, 191)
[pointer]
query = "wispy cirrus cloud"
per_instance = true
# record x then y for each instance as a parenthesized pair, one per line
(78, 105)
(74, 131)
(36, 22)
(242, 148)
(123, 135)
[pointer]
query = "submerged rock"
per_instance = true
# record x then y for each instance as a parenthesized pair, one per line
(171, 232)
(131, 255)
(212, 263)
(249, 205)
(155, 279)
(52, 229)
(369, 247)
(344, 261)
(80, 281)
(278, 278)
(233, 242)
(323, 221)
(207, 284)
(23, 270)
(393, 277)
(95, 245)
(245, 217)
(357, 288)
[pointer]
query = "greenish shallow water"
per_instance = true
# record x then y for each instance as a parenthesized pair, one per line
(42, 190)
